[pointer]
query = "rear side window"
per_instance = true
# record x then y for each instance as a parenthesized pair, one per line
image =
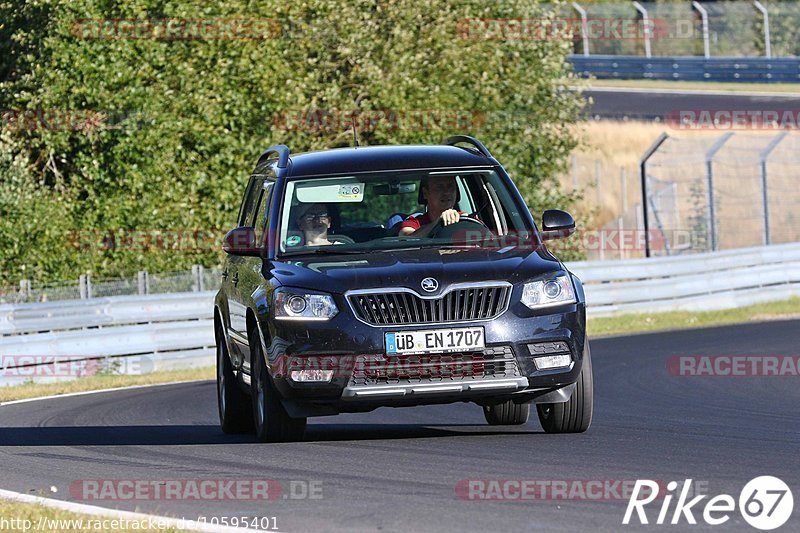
(247, 215)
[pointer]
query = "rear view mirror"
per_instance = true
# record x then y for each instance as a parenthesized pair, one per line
(241, 241)
(557, 224)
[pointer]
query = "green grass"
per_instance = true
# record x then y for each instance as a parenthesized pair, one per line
(67, 521)
(640, 323)
(703, 85)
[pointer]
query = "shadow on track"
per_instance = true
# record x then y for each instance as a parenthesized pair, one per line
(207, 434)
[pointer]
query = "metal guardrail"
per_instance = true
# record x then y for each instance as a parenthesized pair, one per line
(733, 69)
(698, 282)
(138, 334)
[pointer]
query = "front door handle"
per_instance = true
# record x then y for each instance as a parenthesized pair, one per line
(236, 279)
(225, 274)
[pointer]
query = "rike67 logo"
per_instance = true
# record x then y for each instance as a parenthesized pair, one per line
(765, 503)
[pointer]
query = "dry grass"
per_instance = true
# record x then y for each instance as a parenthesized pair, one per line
(617, 147)
(33, 390)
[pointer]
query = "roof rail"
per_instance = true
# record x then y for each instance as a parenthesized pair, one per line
(283, 155)
(455, 139)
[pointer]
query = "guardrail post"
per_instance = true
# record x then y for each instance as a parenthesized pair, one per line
(144, 283)
(85, 286)
(197, 275)
(704, 16)
(762, 166)
(765, 16)
(712, 220)
(643, 175)
(584, 27)
(646, 25)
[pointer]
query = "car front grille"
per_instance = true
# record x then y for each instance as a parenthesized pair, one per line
(491, 363)
(396, 308)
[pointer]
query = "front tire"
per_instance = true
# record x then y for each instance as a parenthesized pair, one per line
(272, 422)
(507, 413)
(234, 406)
(574, 415)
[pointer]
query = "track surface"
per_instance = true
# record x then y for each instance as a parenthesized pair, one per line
(396, 469)
(653, 104)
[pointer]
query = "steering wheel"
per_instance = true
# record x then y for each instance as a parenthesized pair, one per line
(464, 224)
(344, 239)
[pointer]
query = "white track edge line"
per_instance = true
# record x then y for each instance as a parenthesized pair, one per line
(94, 510)
(97, 391)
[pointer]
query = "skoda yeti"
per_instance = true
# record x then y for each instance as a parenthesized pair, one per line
(394, 276)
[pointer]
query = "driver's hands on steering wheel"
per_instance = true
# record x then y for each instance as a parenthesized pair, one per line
(450, 216)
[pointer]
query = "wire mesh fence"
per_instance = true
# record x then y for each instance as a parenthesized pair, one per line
(704, 193)
(734, 28)
(195, 280)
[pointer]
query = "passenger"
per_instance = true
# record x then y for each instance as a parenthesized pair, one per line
(440, 194)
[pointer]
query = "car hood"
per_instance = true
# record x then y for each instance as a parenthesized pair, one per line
(407, 268)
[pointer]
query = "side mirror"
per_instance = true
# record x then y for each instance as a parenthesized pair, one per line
(557, 224)
(241, 241)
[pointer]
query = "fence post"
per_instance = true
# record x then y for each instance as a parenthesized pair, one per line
(643, 176)
(765, 15)
(646, 23)
(25, 288)
(704, 16)
(197, 275)
(712, 220)
(85, 286)
(623, 176)
(584, 27)
(598, 174)
(762, 167)
(144, 283)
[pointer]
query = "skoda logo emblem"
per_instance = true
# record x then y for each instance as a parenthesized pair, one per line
(429, 284)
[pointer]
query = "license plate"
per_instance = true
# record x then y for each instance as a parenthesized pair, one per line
(435, 341)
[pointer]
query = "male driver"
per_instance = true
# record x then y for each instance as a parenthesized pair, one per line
(440, 193)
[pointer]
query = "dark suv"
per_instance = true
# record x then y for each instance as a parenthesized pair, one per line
(359, 278)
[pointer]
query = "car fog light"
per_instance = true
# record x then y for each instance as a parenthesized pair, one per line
(552, 361)
(312, 375)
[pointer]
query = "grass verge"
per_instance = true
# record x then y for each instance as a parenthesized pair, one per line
(699, 85)
(29, 516)
(105, 381)
(641, 323)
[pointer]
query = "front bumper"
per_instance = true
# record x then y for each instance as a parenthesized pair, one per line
(343, 341)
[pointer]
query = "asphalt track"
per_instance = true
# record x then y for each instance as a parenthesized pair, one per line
(655, 104)
(397, 469)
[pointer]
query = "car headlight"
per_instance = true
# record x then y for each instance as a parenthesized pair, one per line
(302, 305)
(544, 293)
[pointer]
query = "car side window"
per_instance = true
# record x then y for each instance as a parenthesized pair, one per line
(260, 222)
(250, 207)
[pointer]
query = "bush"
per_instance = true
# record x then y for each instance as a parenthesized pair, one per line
(171, 128)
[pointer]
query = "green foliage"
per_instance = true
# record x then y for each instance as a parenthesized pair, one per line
(183, 120)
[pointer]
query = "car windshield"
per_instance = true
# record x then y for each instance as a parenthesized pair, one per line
(348, 214)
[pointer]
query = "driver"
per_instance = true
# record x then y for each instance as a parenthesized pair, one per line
(440, 193)
(314, 221)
